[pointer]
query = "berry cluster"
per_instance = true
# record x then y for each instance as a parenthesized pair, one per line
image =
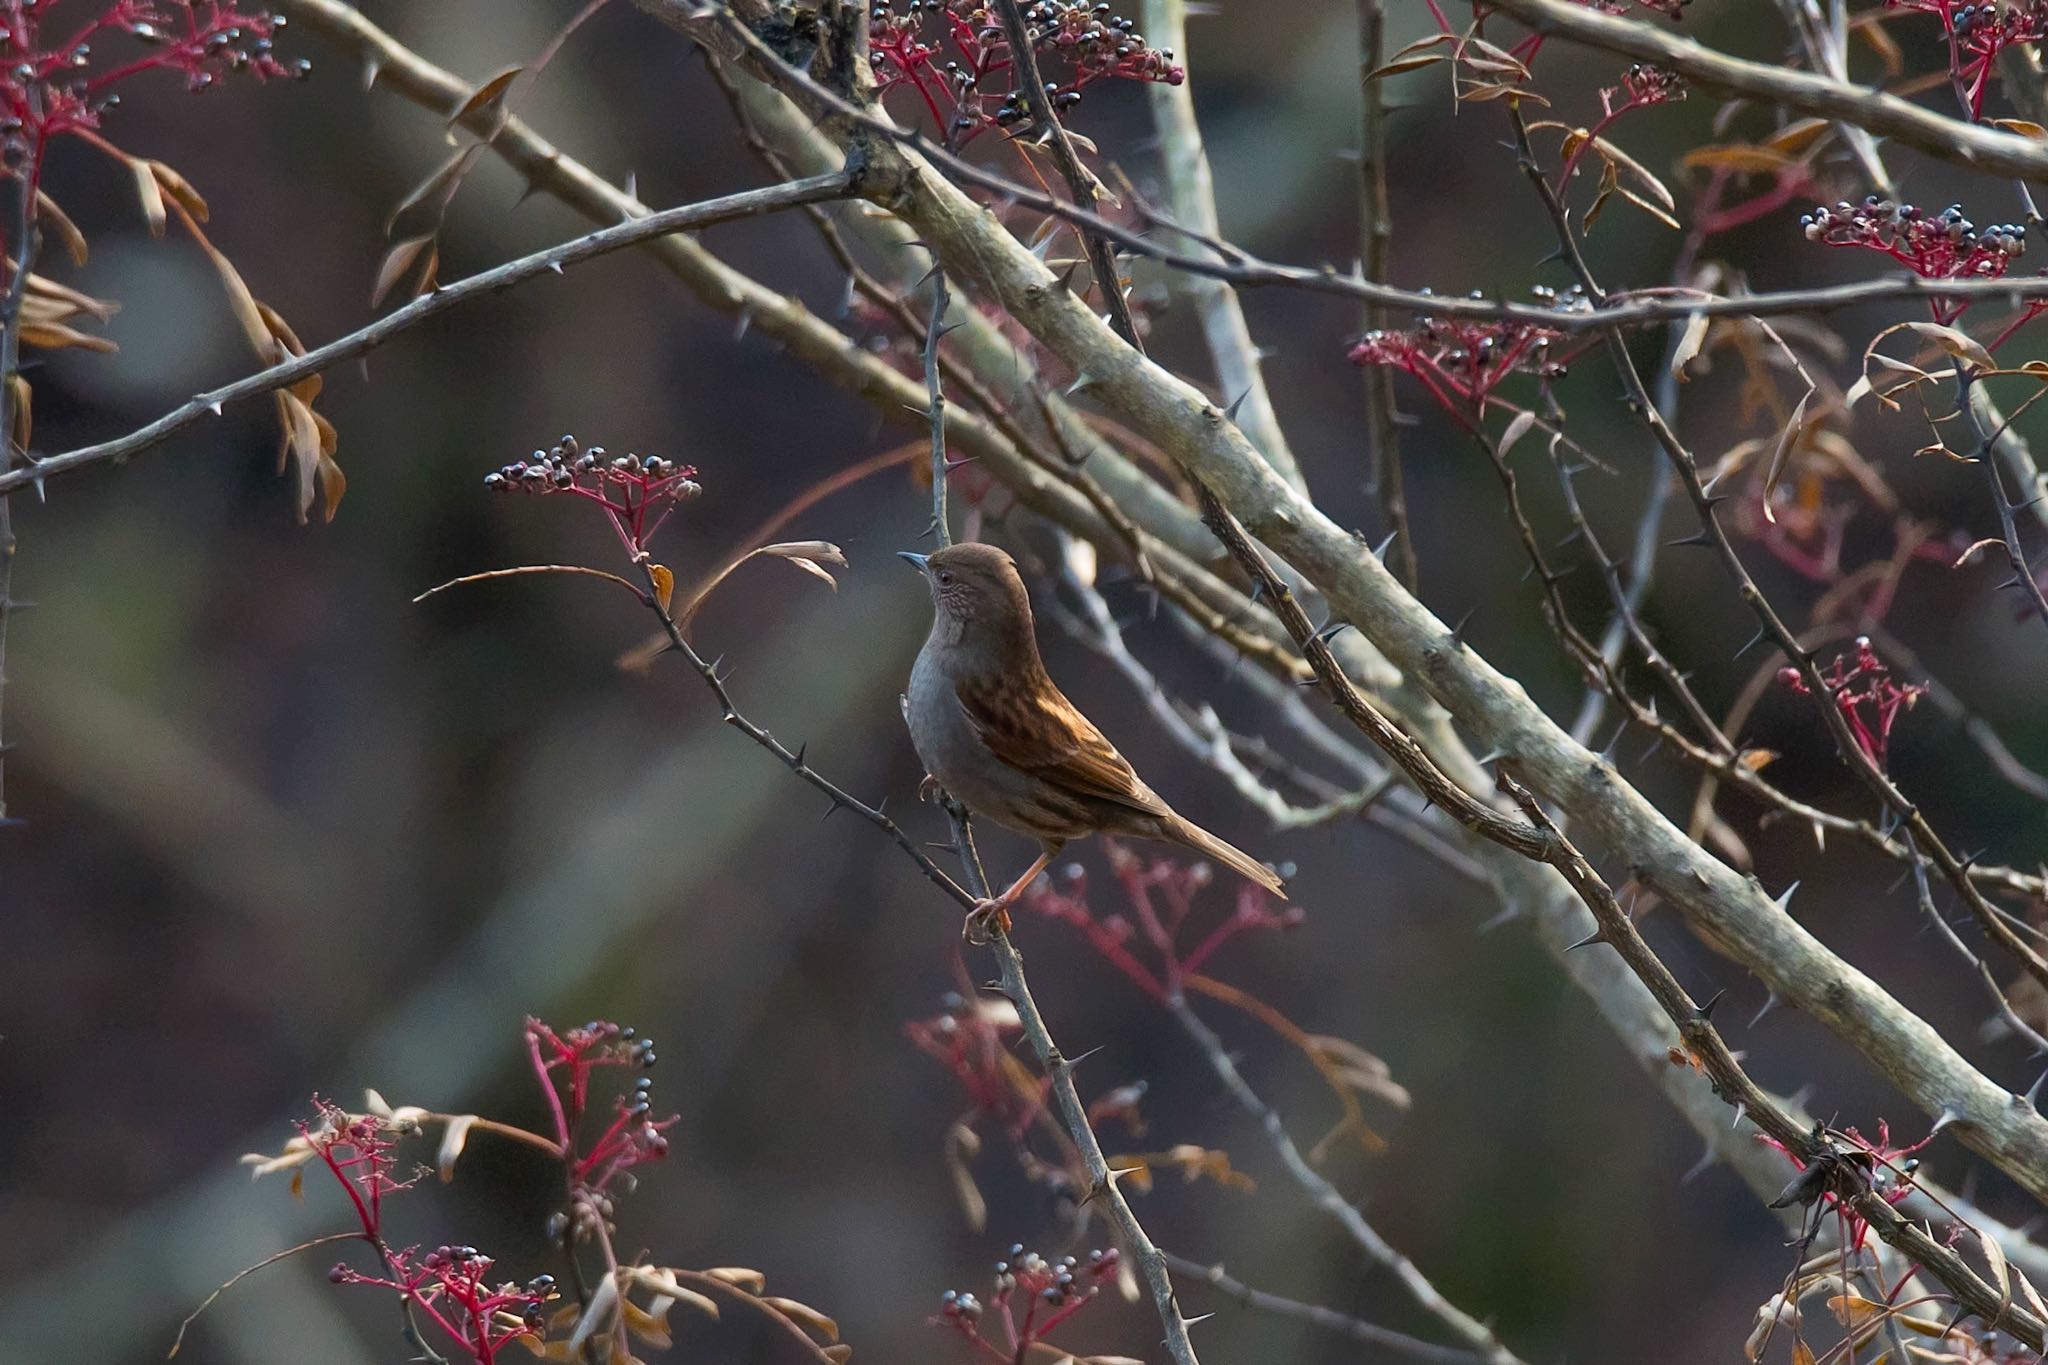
(1644, 84)
(1935, 246)
(1049, 1292)
(49, 90)
(948, 51)
(1976, 32)
(637, 492)
(1943, 245)
(1461, 361)
(451, 1285)
(1863, 689)
(564, 1064)
(358, 1150)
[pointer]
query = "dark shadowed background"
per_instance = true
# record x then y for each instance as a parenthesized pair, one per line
(288, 832)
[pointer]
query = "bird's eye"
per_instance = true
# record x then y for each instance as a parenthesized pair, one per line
(945, 576)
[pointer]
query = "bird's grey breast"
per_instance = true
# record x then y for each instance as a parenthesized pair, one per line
(950, 749)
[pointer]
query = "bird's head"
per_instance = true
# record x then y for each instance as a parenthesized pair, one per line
(977, 593)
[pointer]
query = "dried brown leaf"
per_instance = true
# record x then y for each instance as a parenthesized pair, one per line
(753, 1281)
(453, 1139)
(1740, 156)
(59, 223)
(56, 336)
(805, 1316)
(416, 259)
(151, 195)
(180, 189)
(1798, 135)
(963, 1144)
(1518, 427)
(489, 95)
(664, 583)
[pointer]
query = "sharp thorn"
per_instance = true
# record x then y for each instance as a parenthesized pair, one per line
(1597, 936)
(1770, 1003)
(1705, 1012)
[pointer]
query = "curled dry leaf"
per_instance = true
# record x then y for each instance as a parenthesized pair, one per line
(805, 1316)
(58, 223)
(1413, 57)
(48, 309)
(413, 261)
(963, 1144)
(1361, 1070)
(488, 96)
(453, 1139)
(180, 189)
(1192, 1161)
(664, 583)
(150, 193)
(1743, 157)
(22, 398)
(740, 1277)
(665, 1292)
(811, 556)
(1518, 427)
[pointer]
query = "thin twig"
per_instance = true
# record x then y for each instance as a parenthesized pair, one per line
(935, 390)
(1329, 1319)
(23, 255)
(1468, 1329)
(1985, 453)
(1102, 1182)
(1081, 183)
(1375, 237)
(551, 260)
(794, 759)
(1885, 116)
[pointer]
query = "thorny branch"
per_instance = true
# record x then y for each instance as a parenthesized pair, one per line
(1366, 1333)
(1993, 919)
(22, 258)
(1058, 1069)
(1375, 237)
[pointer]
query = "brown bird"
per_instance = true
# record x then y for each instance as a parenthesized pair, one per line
(995, 732)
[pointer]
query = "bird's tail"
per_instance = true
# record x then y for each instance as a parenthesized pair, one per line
(1187, 832)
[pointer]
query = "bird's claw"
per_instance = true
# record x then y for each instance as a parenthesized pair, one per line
(986, 919)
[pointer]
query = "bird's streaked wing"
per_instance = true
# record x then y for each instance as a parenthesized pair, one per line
(1038, 731)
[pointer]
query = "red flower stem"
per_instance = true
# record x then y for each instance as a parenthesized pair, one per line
(547, 1087)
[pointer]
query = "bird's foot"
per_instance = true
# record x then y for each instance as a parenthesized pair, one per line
(986, 919)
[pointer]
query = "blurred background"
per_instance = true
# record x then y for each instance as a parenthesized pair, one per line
(288, 833)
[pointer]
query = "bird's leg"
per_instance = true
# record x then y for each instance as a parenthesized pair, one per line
(994, 913)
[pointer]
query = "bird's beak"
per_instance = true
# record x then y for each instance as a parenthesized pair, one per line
(916, 561)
